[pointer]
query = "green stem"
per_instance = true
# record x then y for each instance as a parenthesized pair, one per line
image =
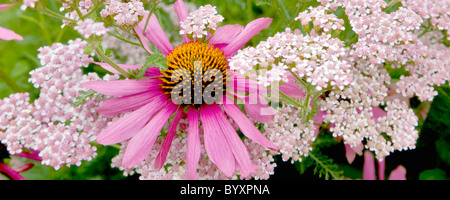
(390, 4)
(11, 84)
(75, 6)
(56, 15)
(123, 39)
(280, 12)
(95, 9)
(149, 15)
(44, 28)
(102, 56)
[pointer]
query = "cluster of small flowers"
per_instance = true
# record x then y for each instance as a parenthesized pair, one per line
(126, 14)
(290, 134)
(319, 58)
(28, 4)
(83, 7)
(355, 115)
(433, 69)
(321, 20)
(382, 37)
(175, 168)
(88, 27)
(203, 20)
(51, 124)
(394, 131)
(437, 11)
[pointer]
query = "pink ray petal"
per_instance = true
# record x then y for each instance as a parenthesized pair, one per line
(116, 106)
(123, 87)
(369, 166)
(14, 175)
(237, 146)
(246, 126)
(349, 154)
(141, 38)
(6, 6)
(193, 144)
(381, 166)
(141, 144)
(252, 28)
(162, 155)
(292, 90)
(398, 173)
(130, 124)
(114, 71)
(226, 34)
(216, 145)
(6, 34)
(182, 13)
(258, 109)
(377, 113)
(155, 34)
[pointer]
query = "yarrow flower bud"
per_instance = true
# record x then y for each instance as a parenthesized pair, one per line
(202, 21)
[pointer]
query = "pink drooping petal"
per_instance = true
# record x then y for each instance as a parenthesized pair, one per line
(123, 87)
(252, 28)
(141, 38)
(369, 166)
(225, 34)
(114, 71)
(141, 144)
(116, 106)
(155, 34)
(6, 34)
(377, 113)
(14, 175)
(318, 119)
(130, 124)
(349, 153)
(398, 173)
(6, 6)
(193, 144)
(24, 167)
(291, 89)
(239, 83)
(216, 145)
(237, 146)
(33, 154)
(182, 13)
(152, 72)
(258, 109)
(246, 126)
(381, 166)
(162, 155)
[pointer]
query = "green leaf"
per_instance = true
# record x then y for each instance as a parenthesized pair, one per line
(433, 174)
(325, 166)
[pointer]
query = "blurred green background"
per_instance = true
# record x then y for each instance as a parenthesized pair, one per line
(429, 161)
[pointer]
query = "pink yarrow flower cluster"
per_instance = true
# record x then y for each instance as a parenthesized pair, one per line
(52, 125)
(436, 11)
(88, 27)
(126, 14)
(201, 22)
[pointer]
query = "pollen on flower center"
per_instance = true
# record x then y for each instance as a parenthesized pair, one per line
(196, 74)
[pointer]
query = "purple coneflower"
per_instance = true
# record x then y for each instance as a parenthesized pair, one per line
(152, 105)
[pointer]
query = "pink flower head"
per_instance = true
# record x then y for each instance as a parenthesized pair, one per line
(152, 102)
(6, 34)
